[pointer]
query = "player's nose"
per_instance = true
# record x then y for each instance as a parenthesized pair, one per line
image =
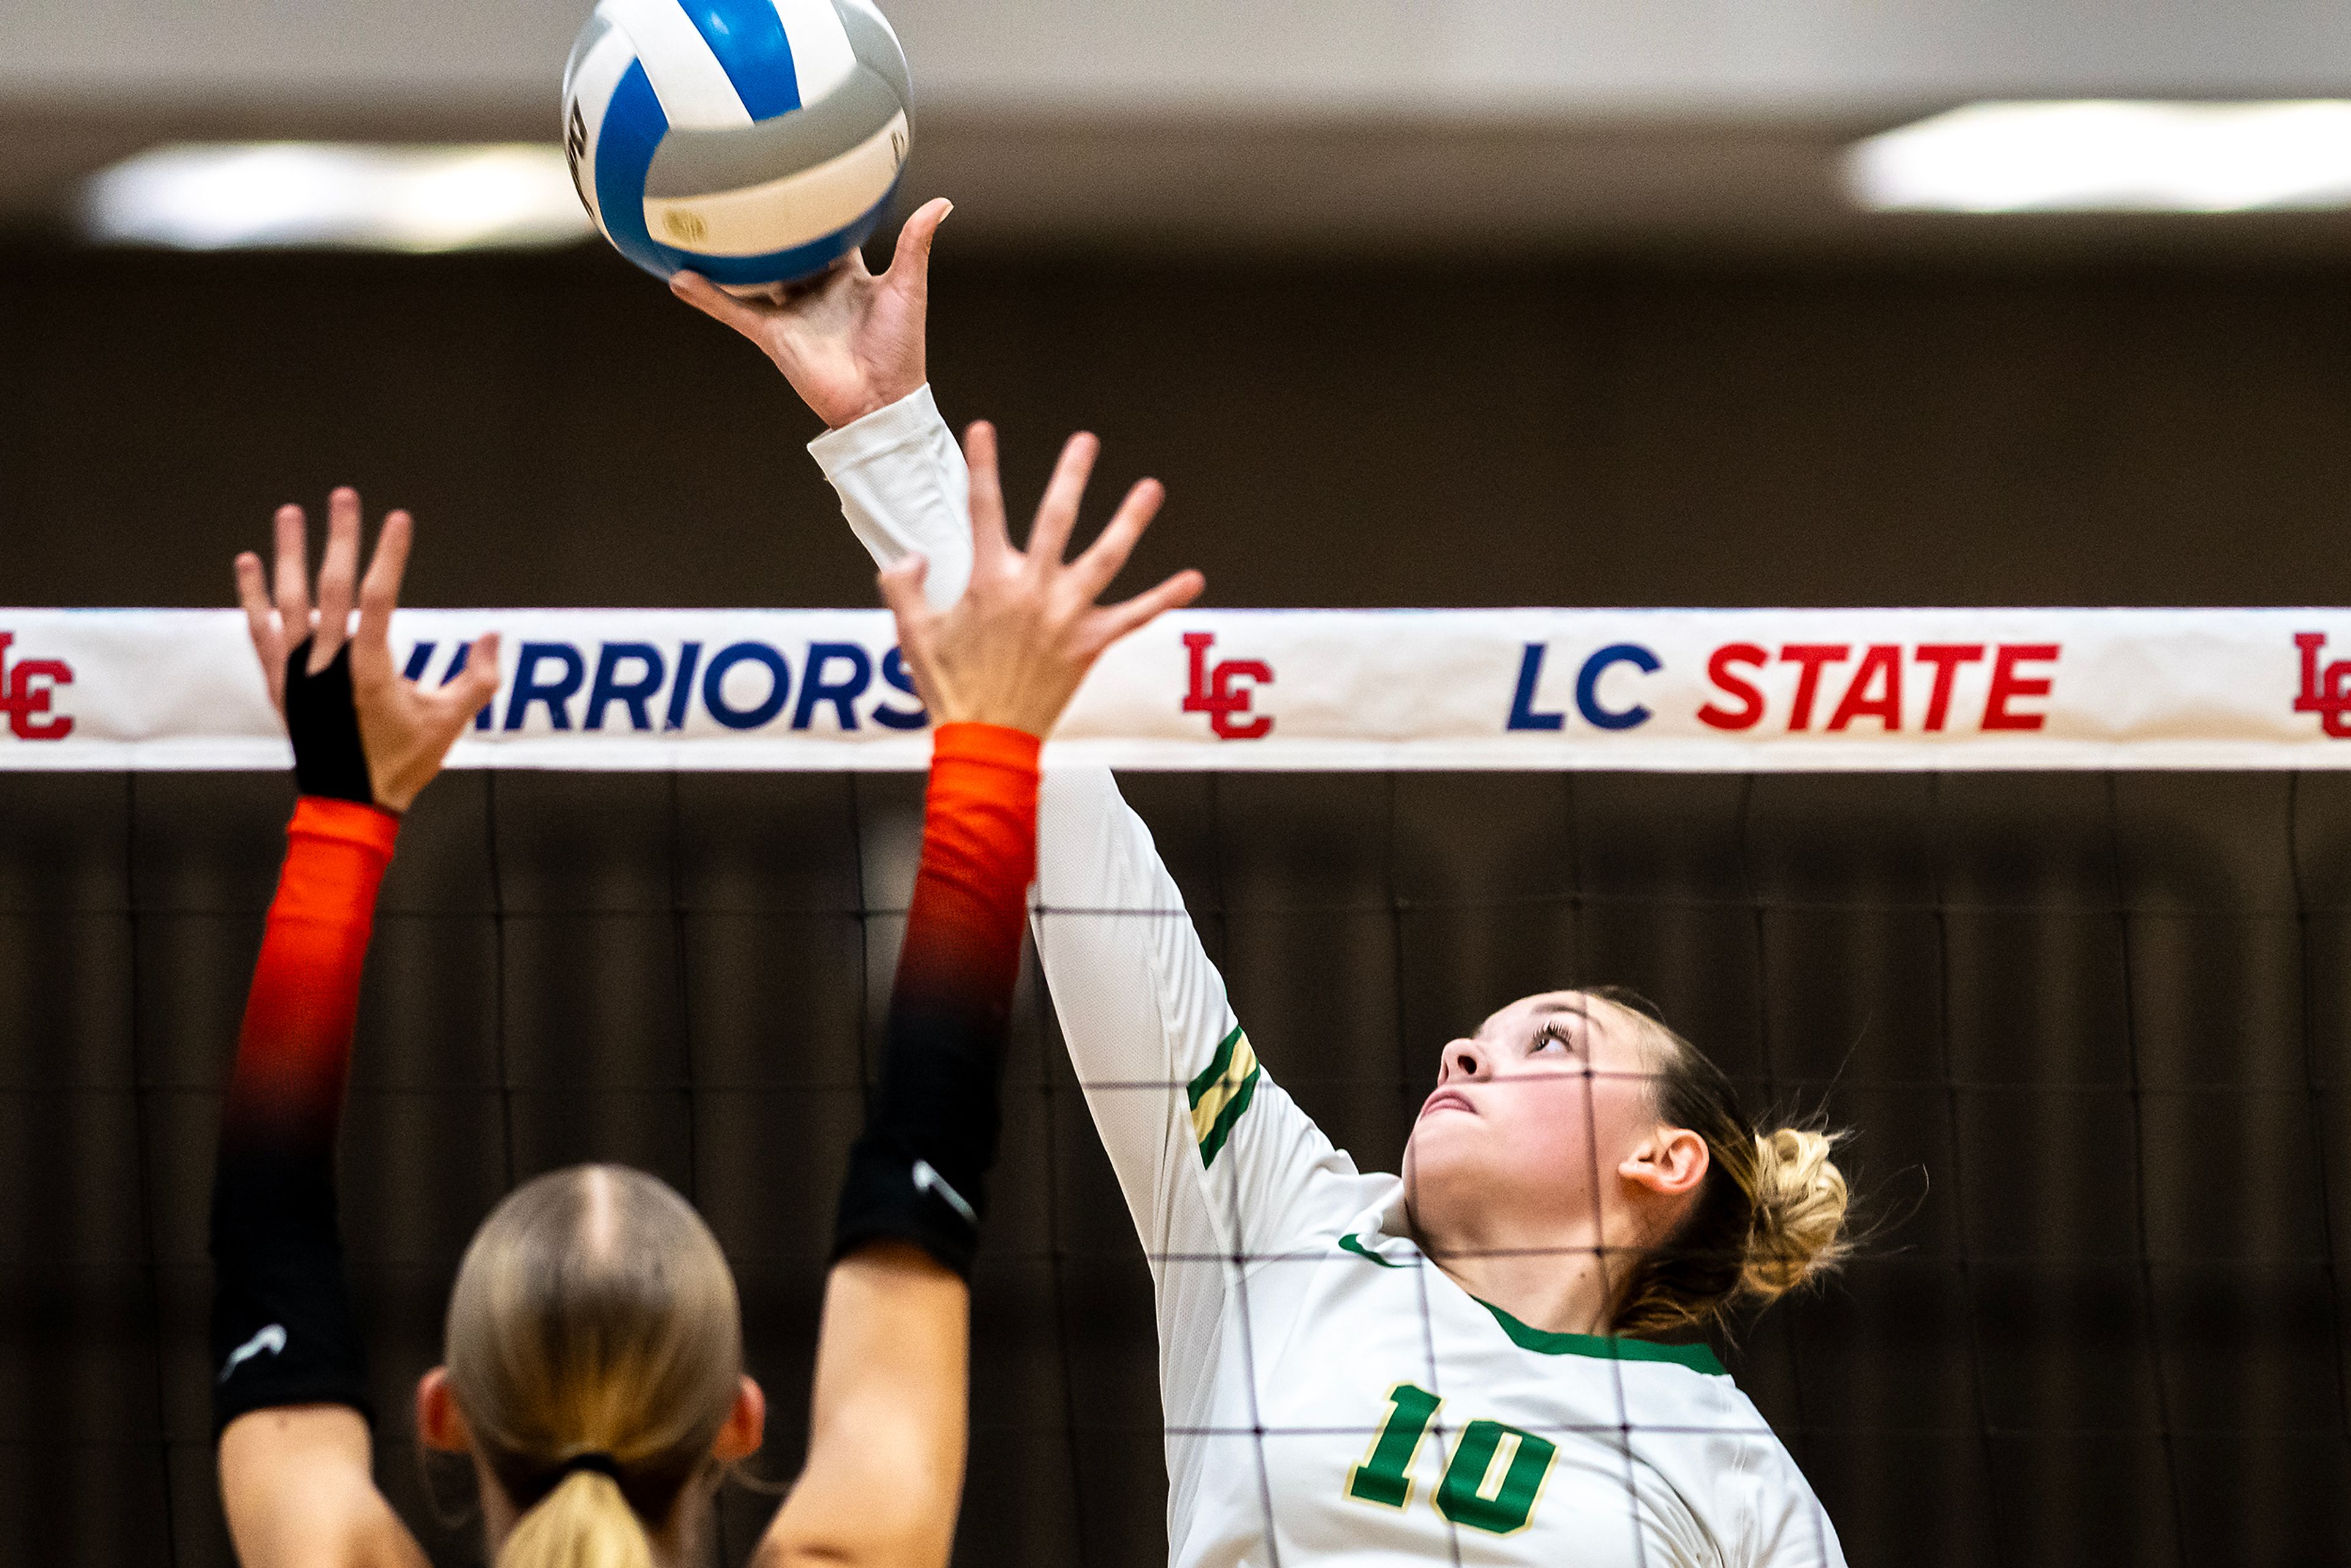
(1465, 1058)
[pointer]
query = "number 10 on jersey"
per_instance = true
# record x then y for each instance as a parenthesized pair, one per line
(1491, 1483)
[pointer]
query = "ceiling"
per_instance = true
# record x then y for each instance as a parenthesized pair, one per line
(1481, 126)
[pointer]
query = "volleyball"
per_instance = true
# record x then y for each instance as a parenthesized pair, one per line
(753, 141)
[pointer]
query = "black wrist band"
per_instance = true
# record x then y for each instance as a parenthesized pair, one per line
(919, 1171)
(890, 1194)
(323, 722)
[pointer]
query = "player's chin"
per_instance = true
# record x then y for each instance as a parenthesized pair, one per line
(1444, 1149)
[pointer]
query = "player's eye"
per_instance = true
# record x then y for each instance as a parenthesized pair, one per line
(1552, 1037)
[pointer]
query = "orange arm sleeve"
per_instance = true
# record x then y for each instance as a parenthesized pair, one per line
(293, 1053)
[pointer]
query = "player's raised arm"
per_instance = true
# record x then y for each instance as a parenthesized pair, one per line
(853, 346)
(291, 1412)
(886, 1440)
(1169, 1074)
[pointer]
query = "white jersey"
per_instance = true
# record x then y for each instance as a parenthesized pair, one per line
(1331, 1396)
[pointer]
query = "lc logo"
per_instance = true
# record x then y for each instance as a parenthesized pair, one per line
(1213, 691)
(2326, 693)
(24, 702)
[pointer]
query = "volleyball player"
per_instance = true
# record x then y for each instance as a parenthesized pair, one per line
(593, 1344)
(1456, 1365)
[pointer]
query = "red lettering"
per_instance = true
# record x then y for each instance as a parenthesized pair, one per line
(1227, 702)
(1812, 656)
(1947, 658)
(1883, 660)
(2328, 694)
(1749, 700)
(2007, 686)
(1213, 692)
(25, 702)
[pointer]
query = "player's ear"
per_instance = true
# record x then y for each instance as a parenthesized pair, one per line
(745, 1428)
(440, 1424)
(1669, 1162)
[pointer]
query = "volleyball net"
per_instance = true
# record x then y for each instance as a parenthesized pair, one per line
(2051, 907)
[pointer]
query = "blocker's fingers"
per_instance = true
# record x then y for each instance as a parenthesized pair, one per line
(1057, 513)
(902, 591)
(1108, 554)
(473, 690)
(380, 595)
(989, 539)
(261, 625)
(338, 572)
(253, 594)
(1178, 591)
(293, 574)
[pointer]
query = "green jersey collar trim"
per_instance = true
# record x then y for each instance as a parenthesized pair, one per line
(1542, 1342)
(1608, 1347)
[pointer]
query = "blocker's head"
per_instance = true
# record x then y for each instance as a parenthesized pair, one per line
(1577, 1114)
(594, 1371)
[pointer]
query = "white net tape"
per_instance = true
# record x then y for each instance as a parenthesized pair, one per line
(1668, 690)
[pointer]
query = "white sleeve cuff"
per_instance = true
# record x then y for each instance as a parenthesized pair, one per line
(903, 488)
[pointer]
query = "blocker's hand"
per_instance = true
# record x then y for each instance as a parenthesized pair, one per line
(848, 341)
(405, 732)
(1013, 649)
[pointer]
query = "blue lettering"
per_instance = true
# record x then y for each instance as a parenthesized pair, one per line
(815, 689)
(894, 671)
(529, 689)
(713, 692)
(1522, 706)
(1587, 685)
(418, 657)
(609, 688)
(680, 695)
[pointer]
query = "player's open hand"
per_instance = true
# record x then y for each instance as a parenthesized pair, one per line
(848, 341)
(404, 732)
(1012, 649)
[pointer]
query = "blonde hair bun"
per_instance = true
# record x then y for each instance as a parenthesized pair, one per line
(1800, 1199)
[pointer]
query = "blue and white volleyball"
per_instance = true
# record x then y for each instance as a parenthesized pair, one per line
(755, 141)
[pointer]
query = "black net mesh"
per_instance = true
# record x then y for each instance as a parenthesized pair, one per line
(2089, 1030)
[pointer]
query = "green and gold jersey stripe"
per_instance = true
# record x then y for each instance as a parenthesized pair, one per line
(1222, 1093)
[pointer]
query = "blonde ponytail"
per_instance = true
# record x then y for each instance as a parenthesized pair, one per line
(585, 1522)
(595, 1344)
(1800, 1201)
(1770, 1216)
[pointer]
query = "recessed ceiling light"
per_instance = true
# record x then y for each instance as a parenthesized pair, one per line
(231, 195)
(2111, 155)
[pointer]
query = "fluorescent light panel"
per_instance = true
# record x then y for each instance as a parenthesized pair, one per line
(234, 195)
(2111, 155)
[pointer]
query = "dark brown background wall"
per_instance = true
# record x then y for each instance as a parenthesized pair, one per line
(1332, 434)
